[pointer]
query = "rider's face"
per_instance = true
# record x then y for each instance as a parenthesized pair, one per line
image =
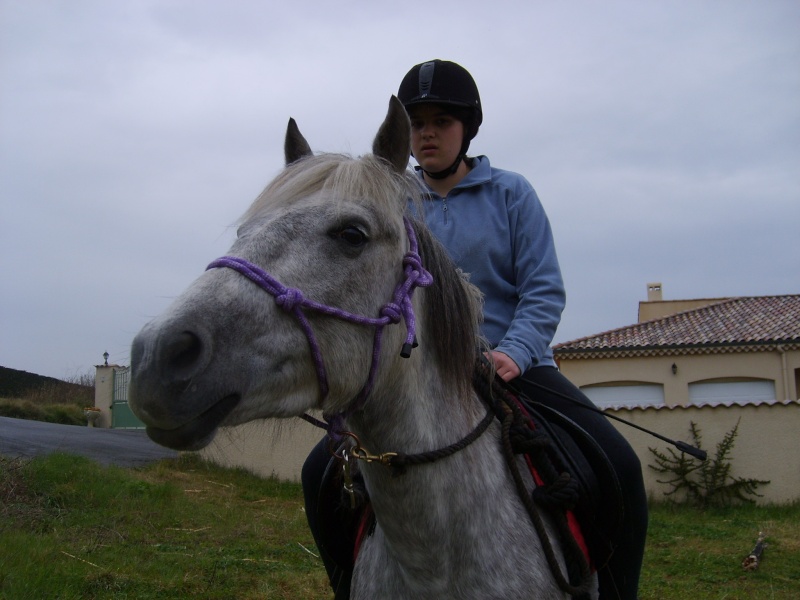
(436, 136)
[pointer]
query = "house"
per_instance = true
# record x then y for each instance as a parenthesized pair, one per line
(712, 362)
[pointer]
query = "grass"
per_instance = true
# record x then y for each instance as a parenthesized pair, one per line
(697, 554)
(183, 528)
(55, 412)
(71, 529)
(52, 401)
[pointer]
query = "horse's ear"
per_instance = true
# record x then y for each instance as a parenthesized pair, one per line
(393, 142)
(295, 147)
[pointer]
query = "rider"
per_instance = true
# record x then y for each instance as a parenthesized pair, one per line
(496, 230)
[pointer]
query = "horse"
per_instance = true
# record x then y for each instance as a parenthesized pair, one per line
(371, 323)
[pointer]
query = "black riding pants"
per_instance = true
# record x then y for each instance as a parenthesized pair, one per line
(619, 579)
(336, 540)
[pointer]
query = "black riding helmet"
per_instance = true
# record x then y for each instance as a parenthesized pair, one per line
(449, 84)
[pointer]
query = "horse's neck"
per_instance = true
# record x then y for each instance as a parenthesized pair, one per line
(426, 506)
(416, 413)
(444, 529)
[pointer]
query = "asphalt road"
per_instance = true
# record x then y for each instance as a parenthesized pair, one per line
(121, 447)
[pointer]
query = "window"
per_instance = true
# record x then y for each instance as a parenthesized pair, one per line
(622, 394)
(731, 392)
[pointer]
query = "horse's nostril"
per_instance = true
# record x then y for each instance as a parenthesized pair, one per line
(183, 352)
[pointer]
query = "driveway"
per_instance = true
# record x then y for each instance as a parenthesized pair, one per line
(121, 447)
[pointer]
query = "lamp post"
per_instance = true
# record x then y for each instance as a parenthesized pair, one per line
(105, 358)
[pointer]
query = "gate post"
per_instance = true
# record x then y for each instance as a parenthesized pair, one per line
(104, 394)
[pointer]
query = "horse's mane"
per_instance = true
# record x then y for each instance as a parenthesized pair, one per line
(453, 312)
(452, 305)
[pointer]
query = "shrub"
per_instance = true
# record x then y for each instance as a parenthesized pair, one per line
(65, 414)
(61, 392)
(77, 389)
(706, 483)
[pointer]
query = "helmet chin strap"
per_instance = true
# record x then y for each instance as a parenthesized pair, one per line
(444, 173)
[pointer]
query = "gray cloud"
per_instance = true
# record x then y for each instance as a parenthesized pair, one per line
(663, 138)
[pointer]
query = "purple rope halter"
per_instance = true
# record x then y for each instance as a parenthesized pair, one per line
(292, 301)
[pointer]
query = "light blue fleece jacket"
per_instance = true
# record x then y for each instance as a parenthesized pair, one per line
(495, 228)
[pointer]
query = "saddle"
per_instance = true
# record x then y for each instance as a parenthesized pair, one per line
(596, 502)
(599, 507)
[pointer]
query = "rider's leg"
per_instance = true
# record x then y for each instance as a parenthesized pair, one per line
(620, 579)
(332, 530)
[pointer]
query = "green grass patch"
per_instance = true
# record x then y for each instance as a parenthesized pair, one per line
(63, 413)
(70, 528)
(28, 396)
(697, 554)
(183, 528)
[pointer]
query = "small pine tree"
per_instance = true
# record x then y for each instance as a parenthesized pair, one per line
(706, 483)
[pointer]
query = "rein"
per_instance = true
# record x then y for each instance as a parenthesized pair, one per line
(292, 301)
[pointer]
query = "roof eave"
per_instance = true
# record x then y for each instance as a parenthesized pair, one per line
(661, 349)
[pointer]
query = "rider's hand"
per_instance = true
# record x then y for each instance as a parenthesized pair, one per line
(506, 368)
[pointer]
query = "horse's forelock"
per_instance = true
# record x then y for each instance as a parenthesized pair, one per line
(367, 179)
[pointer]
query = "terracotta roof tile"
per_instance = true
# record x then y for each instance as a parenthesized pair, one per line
(718, 405)
(733, 321)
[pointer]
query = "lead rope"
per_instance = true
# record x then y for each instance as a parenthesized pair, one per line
(399, 462)
(558, 493)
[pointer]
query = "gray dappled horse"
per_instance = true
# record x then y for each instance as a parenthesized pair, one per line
(330, 240)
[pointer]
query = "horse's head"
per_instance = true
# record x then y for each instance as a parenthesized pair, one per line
(328, 232)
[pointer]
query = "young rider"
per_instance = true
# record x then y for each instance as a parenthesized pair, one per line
(496, 230)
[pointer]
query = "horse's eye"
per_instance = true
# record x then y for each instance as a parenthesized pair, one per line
(351, 235)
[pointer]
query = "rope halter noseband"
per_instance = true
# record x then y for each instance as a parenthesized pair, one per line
(292, 301)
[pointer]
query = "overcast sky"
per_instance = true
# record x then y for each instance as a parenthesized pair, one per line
(663, 138)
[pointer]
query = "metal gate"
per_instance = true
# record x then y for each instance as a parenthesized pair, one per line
(121, 415)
